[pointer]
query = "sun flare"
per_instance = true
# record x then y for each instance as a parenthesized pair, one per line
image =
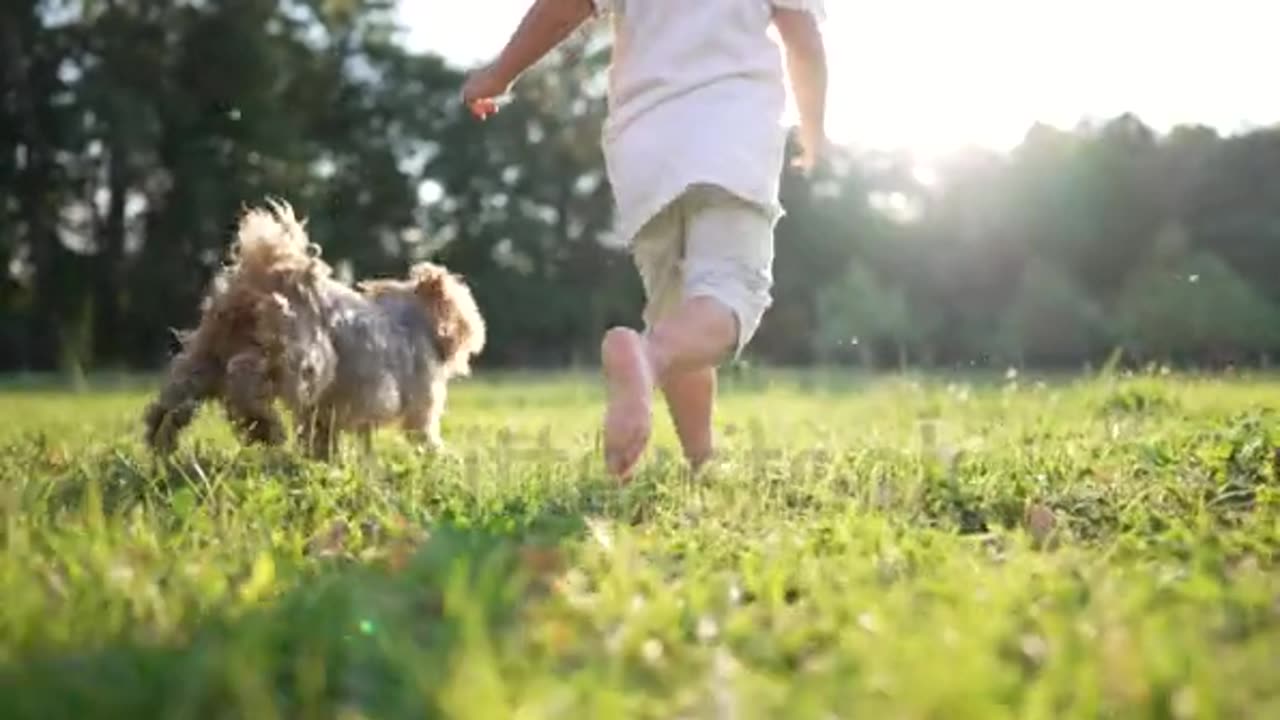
(934, 76)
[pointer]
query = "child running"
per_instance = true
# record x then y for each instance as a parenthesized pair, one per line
(694, 147)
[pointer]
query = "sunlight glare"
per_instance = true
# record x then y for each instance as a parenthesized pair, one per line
(926, 175)
(934, 76)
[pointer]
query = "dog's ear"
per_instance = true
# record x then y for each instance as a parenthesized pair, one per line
(459, 327)
(428, 279)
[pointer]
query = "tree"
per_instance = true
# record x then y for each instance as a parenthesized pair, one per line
(1051, 320)
(862, 315)
(526, 211)
(38, 123)
(133, 131)
(1197, 306)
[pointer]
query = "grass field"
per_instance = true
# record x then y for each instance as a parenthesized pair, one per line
(889, 548)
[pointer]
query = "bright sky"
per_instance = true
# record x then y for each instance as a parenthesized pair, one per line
(932, 75)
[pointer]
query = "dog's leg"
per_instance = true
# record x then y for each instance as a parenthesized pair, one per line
(249, 399)
(435, 414)
(304, 422)
(368, 461)
(422, 425)
(192, 380)
(316, 433)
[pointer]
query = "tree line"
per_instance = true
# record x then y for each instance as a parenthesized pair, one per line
(133, 131)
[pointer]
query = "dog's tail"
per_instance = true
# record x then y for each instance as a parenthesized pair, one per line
(460, 327)
(272, 246)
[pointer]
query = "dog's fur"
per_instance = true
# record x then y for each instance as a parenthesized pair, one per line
(277, 326)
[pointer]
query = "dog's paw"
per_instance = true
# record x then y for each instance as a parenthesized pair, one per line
(435, 449)
(164, 425)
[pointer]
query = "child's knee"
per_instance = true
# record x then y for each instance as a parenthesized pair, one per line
(742, 289)
(730, 258)
(745, 305)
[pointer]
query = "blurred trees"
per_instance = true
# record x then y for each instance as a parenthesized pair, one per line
(132, 131)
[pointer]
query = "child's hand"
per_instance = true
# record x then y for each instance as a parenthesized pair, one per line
(482, 89)
(813, 148)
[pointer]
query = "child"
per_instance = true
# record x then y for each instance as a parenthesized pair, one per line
(694, 148)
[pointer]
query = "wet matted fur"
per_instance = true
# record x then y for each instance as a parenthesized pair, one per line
(277, 327)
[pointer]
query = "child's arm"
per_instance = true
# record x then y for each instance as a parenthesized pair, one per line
(545, 25)
(807, 68)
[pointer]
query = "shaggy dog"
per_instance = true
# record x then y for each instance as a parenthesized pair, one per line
(277, 327)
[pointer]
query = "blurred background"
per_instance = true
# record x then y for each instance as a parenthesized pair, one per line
(1018, 183)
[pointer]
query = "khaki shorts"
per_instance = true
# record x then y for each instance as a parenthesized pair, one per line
(708, 243)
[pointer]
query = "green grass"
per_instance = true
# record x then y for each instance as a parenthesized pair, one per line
(864, 550)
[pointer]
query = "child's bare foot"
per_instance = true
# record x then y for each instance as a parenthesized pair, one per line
(628, 419)
(700, 463)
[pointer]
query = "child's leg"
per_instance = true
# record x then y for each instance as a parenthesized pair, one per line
(690, 395)
(629, 377)
(679, 353)
(691, 398)
(726, 276)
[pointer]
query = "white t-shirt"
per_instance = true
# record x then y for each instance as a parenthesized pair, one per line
(696, 95)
